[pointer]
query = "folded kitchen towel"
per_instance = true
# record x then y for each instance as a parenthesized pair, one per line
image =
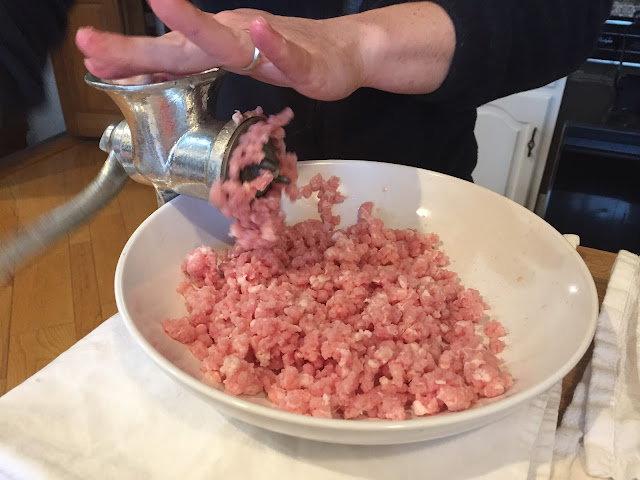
(600, 433)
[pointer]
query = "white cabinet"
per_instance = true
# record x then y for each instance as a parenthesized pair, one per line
(502, 147)
(514, 134)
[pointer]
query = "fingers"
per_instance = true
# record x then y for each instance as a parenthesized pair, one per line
(292, 60)
(110, 55)
(198, 42)
(231, 47)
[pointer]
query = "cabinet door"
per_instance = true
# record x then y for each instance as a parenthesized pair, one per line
(87, 111)
(512, 135)
(501, 146)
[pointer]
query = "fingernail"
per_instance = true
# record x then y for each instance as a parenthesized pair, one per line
(83, 34)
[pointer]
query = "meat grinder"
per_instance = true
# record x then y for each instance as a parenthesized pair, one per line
(168, 139)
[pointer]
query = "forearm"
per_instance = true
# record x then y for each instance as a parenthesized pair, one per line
(467, 52)
(405, 48)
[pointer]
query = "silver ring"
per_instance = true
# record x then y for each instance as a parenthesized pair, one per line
(256, 57)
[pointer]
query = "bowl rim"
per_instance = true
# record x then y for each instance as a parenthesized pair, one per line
(443, 419)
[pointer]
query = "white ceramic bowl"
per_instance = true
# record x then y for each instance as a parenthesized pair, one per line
(537, 284)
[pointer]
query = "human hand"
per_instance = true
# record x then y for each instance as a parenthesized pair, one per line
(321, 59)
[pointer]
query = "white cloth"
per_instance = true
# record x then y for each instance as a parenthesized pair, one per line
(102, 410)
(600, 433)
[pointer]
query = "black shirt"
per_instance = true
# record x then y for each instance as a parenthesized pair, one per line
(503, 47)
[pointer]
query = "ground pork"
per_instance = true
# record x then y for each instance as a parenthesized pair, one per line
(362, 321)
(257, 221)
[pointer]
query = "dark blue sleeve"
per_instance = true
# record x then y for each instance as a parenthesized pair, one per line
(508, 46)
(29, 30)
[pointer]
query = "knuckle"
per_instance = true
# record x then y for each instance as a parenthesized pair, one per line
(226, 16)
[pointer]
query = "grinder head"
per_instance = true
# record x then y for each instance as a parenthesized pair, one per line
(170, 137)
(269, 162)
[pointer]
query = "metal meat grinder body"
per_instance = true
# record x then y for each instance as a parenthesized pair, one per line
(167, 139)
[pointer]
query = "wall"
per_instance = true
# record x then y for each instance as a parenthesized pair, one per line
(46, 121)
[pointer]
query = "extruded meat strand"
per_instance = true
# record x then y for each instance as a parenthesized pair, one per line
(257, 221)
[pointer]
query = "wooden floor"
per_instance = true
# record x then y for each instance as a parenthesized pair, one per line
(64, 293)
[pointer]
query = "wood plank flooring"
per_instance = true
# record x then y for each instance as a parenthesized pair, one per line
(67, 291)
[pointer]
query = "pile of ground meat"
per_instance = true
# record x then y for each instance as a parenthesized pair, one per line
(363, 321)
